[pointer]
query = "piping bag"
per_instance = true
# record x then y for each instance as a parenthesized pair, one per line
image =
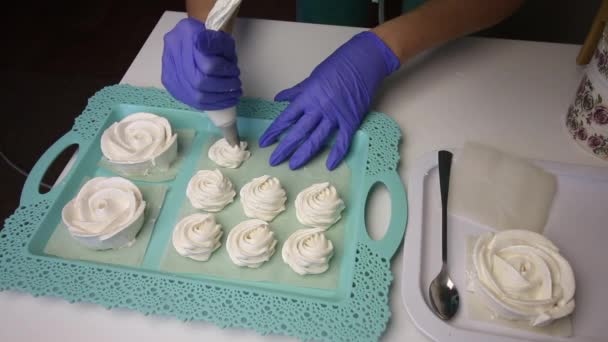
(225, 119)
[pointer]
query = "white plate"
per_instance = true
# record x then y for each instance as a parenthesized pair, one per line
(577, 224)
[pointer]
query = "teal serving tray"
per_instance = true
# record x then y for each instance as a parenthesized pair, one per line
(357, 310)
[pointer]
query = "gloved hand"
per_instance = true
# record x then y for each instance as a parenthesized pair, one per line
(336, 96)
(199, 66)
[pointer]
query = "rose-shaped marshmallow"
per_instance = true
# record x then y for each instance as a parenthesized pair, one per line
(106, 213)
(197, 236)
(521, 276)
(210, 190)
(140, 142)
(319, 206)
(228, 156)
(308, 251)
(251, 243)
(263, 198)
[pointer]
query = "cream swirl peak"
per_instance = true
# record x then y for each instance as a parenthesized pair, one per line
(210, 190)
(319, 206)
(106, 213)
(197, 236)
(251, 243)
(263, 198)
(521, 276)
(308, 251)
(228, 156)
(139, 137)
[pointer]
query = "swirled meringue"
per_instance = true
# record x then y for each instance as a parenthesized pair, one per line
(308, 251)
(520, 275)
(228, 156)
(319, 206)
(106, 213)
(139, 142)
(251, 243)
(263, 198)
(210, 190)
(197, 236)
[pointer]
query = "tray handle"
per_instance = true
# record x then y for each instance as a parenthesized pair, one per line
(390, 242)
(30, 192)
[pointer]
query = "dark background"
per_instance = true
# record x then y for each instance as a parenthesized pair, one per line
(56, 54)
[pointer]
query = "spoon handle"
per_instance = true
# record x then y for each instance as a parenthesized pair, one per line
(445, 164)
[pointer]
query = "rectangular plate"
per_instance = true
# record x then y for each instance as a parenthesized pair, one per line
(576, 224)
(250, 130)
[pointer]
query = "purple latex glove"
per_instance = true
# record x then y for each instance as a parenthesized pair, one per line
(200, 66)
(335, 97)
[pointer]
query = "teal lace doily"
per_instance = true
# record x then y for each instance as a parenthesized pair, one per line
(361, 316)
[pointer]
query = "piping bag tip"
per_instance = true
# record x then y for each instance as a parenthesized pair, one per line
(231, 134)
(225, 119)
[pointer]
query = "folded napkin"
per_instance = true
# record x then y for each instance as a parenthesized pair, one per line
(498, 190)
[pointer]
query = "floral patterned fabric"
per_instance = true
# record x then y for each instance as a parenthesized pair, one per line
(587, 118)
(600, 57)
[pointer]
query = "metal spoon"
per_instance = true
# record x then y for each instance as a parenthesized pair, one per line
(442, 292)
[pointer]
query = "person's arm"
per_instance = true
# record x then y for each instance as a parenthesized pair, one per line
(438, 21)
(199, 9)
(338, 93)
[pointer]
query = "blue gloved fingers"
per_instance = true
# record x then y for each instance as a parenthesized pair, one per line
(288, 117)
(213, 65)
(289, 94)
(207, 93)
(169, 62)
(213, 84)
(340, 148)
(215, 43)
(297, 134)
(167, 74)
(185, 27)
(200, 66)
(185, 68)
(214, 101)
(172, 82)
(312, 145)
(341, 88)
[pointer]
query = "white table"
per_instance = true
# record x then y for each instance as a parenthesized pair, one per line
(510, 94)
